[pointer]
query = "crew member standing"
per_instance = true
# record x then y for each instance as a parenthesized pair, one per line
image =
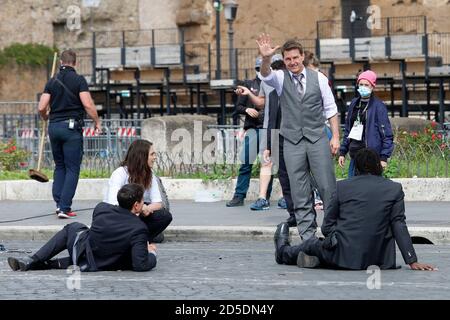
(68, 96)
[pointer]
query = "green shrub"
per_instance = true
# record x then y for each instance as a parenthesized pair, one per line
(30, 54)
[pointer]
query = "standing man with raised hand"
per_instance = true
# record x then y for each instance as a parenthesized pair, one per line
(306, 101)
(69, 99)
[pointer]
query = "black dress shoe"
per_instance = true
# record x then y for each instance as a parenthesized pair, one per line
(235, 202)
(305, 261)
(22, 264)
(281, 239)
(291, 222)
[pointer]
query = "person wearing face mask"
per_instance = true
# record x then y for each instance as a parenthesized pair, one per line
(367, 124)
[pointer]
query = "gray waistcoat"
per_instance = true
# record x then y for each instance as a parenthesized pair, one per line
(302, 117)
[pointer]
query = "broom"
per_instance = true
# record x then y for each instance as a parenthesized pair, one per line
(36, 174)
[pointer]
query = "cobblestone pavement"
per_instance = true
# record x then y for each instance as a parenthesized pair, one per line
(226, 270)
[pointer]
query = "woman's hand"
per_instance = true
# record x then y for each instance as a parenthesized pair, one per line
(383, 164)
(151, 247)
(341, 161)
(146, 210)
(252, 112)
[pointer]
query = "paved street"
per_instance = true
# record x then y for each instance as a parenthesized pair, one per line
(227, 270)
(190, 213)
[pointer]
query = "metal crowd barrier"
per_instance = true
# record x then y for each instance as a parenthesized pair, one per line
(101, 152)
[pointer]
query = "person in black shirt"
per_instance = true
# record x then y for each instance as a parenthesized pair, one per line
(68, 96)
(117, 240)
(254, 118)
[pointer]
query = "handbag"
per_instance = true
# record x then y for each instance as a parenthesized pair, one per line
(164, 197)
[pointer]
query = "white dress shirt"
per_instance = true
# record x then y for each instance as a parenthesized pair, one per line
(120, 177)
(276, 79)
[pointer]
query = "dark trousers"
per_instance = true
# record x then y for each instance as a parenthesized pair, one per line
(312, 247)
(284, 179)
(157, 222)
(61, 241)
(67, 150)
(248, 156)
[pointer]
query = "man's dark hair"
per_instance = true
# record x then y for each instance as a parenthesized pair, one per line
(368, 161)
(68, 57)
(278, 65)
(129, 194)
(291, 45)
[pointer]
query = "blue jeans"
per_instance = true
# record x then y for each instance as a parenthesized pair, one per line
(351, 168)
(67, 150)
(248, 155)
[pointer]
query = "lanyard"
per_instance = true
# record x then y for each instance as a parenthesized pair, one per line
(358, 120)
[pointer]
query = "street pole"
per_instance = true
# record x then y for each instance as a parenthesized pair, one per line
(231, 51)
(217, 5)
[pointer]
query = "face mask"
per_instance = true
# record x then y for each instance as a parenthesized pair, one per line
(364, 91)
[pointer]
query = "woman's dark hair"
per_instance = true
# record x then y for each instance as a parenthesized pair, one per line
(310, 58)
(136, 162)
(129, 194)
(368, 161)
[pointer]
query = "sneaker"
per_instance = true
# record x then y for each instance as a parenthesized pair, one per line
(282, 203)
(65, 215)
(260, 204)
(235, 202)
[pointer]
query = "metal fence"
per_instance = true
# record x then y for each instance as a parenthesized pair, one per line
(15, 115)
(245, 60)
(103, 154)
(142, 37)
(332, 29)
(439, 46)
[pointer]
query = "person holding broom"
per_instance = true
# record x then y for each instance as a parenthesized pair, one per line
(68, 96)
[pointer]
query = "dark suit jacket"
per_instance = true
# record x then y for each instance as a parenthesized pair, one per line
(367, 218)
(118, 240)
(274, 117)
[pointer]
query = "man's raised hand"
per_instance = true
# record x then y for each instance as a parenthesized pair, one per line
(265, 45)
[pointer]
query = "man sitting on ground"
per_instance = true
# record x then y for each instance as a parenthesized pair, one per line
(366, 220)
(117, 240)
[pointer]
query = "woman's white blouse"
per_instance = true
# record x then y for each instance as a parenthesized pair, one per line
(120, 177)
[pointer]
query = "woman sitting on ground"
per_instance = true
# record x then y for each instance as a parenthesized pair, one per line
(137, 168)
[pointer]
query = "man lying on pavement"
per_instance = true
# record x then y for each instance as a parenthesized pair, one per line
(117, 240)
